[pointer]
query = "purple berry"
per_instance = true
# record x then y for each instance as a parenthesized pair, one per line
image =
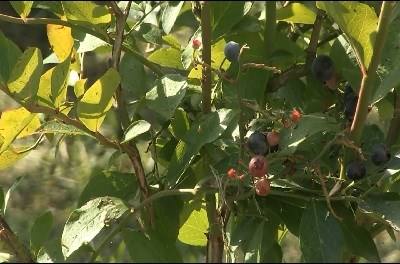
(323, 68)
(380, 154)
(356, 170)
(257, 143)
(232, 50)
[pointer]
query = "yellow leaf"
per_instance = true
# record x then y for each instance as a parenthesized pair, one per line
(194, 229)
(17, 123)
(60, 39)
(79, 87)
(9, 157)
(97, 100)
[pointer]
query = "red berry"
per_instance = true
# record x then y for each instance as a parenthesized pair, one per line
(273, 138)
(232, 173)
(196, 43)
(263, 187)
(295, 115)
(258, 166)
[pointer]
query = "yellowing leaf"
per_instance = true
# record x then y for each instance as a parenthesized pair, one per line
(196, 72)
(25, 76)
(9, 157)
(23, 8)
(296, 13)
(194, 229)
(167, 57)
(60, 39)
(79, 87)
(86, 11)
(358, 21)
(53, 85)
(17, 123)
(97, 100)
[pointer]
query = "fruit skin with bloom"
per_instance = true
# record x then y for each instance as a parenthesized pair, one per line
(356, 170)
(295, 115)
(258, 166)
(231, 51)
(323, 68)
(380, 154)
(196, 43)
(262, 186)
(257, 143)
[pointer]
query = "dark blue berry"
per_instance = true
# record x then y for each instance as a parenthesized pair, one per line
(350, 105)
(232, 50)
(323, 68)
(356, 170)
(380, 154)
(257, 143)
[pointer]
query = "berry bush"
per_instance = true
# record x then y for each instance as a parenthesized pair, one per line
(266, 118)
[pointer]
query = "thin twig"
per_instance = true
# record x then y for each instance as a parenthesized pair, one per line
(8, 237)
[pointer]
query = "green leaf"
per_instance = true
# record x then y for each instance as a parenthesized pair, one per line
(87, 12)
(170, 14)
(57, 127)
(180, 123)
(25, 76)
(359, 241)
(165, 97)
(149, 248)
(8, 193)
(321, 238)
(23, 8)
(358, 21)
(193, 231)
(17, 123)
(135, 129)
(296, 13)
(53, 85)
(171, 41)
(85, 223)
(225, 15)
(10, 55)
(386, 206)
(40, 230)
(308, 126)
(205, 130)
(109, 183)
(167, 221)
(93, 106)
(133, 76)
(167, 57)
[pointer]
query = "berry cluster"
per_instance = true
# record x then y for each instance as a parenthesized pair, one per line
(323, 70)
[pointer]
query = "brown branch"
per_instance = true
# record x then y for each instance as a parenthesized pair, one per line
(8, 237)
(130, 148)
(299, 70)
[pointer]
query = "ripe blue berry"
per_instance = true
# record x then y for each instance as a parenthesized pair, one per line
(257, 143)
(380, 154)
(350, 102)
(231, 51)
(323, 68)
(356, 170)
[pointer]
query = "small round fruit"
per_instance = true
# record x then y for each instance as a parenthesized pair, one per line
(273, 138)
(231, 51)
(380, 154)
(350, 106)
(263, 187)
(323, 68)
(232, 173)
(258, 166)
(257, 143)
(356, 170)
(295, 115)
(196, 43)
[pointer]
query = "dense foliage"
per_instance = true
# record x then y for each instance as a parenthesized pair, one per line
(271, 117)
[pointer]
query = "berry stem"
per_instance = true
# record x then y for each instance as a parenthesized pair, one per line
(368, 80)
(270, 27)
(394, 127)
